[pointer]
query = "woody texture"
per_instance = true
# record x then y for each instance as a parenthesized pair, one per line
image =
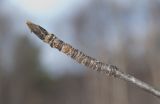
(82, 58)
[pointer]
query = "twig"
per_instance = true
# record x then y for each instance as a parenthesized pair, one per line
(88, 61)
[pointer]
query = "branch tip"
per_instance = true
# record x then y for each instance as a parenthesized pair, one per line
(86, 60)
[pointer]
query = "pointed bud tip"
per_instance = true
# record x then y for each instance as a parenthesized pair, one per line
(28, 22)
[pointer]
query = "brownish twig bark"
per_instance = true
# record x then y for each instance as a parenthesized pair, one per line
(88, 61)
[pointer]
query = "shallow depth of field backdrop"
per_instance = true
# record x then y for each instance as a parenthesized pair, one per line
(121, 32)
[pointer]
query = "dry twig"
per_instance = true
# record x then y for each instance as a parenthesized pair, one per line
(88, 61)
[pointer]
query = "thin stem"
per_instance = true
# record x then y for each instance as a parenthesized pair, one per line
(86, 60)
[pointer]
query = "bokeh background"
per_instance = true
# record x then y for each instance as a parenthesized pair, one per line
(125, 33)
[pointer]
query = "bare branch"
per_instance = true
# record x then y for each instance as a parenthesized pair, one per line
(86, 60)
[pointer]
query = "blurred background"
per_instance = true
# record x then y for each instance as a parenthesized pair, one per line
(125, 33)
